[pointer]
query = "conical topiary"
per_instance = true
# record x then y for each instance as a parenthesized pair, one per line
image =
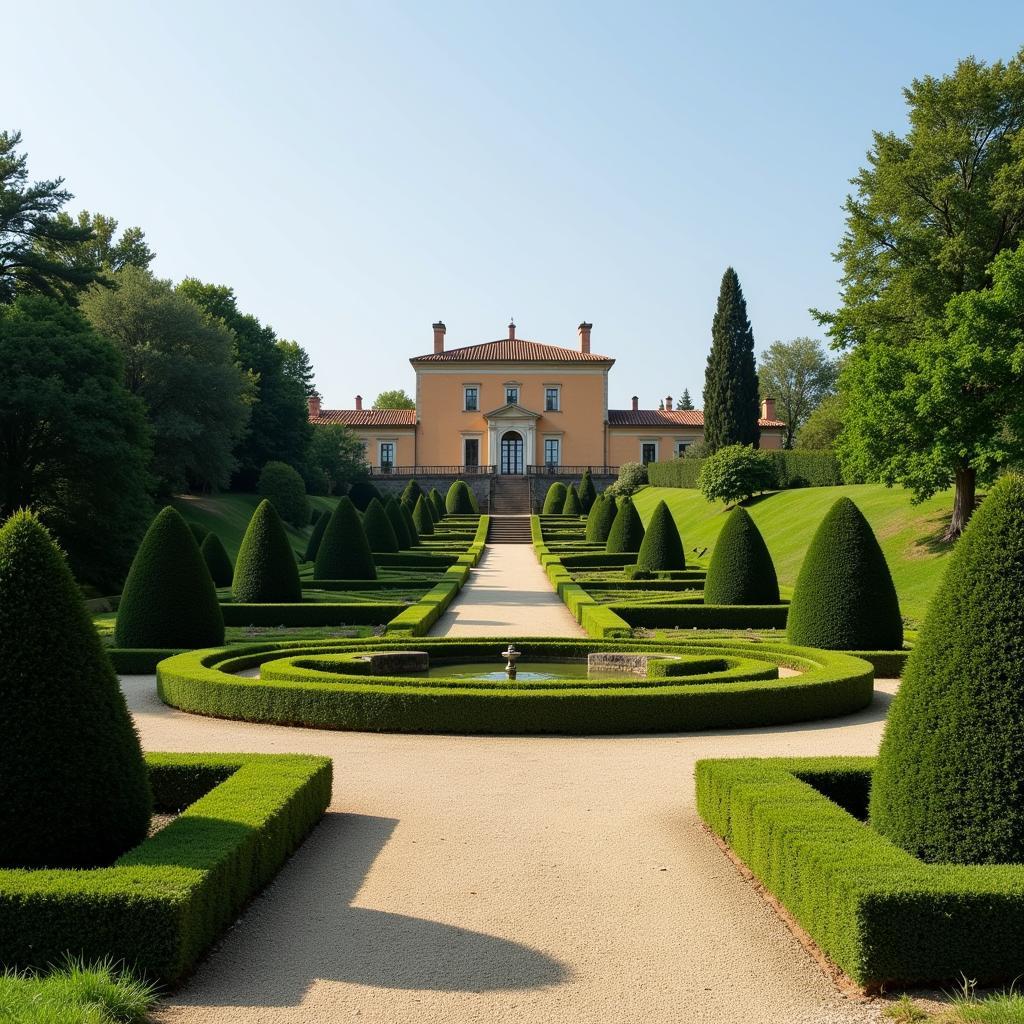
(169, 599)
(345, 552)
(422, 518)
(412, 493)
(459, 501)
(473, 503)
(599, 522)
(313, 544)
(947, 783)
(741, 570)
(586, 491)
(199, 531)
(362, 492)
(265, 570)
(217, 561)
(554, 500)
(627, 530)
(661, 547)
(414, 534)
(75, 787)
(844, 599)
(393, 508)
(380, 534)
(571, 506)
(437, 504)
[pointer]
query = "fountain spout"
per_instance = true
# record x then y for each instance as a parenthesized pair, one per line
(512, 656)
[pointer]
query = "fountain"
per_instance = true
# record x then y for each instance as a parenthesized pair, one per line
(512, 655)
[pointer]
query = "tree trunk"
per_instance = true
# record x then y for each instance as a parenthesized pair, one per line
(963, 502)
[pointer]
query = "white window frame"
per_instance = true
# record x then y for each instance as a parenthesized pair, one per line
(479, 448)
(465, 398)
(517, 389)
(650, 441)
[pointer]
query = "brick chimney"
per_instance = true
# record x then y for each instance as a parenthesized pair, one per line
(584, 330)
(636, 404)
(668, 402)
(359, 403)
(313, 404)
(511, 330)
(768, 409)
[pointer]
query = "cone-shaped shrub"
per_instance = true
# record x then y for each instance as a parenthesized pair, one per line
(75, 787)
(281, 485)
(599, 522)
(345, 552)
(586, 491)
(217, 561)
(393, 508)
(627, 530)
(414, 534)
(265, 570)
(571, 506)
(741, 570)
(169, 599)
(459, 501)
(380, 534)
(362, 492)
(431, 511)
(199, 531)
(412, 493)
(437, 504)
(947, 783)
(422, 518)
(313, 544)
(554, 500)
(844, 599)
(661, 547)
(314, 516)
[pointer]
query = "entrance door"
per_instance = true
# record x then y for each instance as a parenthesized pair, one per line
(512, 453)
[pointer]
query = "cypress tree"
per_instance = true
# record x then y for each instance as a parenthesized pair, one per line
(627, 530)
(586, 491)
(345, 552)
(380, 534)
(422, 518)
(394, 510)
(741, 570)
(731, 400)
(571, 506)
(459, 501)
(412, 493)
(169, 599)
(947, 783)
(662, 547)
(265, 570)
(599, 522)
(313, 544)
(686, 402)
(75, 787)
(217, 561)
(554, 500)
(362, 492)
(437, 504)
(414, 534)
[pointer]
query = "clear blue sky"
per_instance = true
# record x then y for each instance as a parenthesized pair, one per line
(357, 171)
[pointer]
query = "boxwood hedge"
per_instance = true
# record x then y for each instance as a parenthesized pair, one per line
(344, 551)
(661, 547)
(459, 501)
(741, 570)
(218, 563)
(265, 570)
(380, 533)
(422, 518)
(627, 532)
(571, 506)
(393, 508)
(600, 519)
(313, 544)
(554, 500)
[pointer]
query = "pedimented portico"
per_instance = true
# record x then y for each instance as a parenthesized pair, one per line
(511, 438)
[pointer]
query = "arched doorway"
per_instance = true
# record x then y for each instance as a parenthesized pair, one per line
(512, 452)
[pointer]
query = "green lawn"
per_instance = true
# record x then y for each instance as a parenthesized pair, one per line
(909, 534)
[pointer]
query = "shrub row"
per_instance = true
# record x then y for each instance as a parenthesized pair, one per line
(703, 616)
(162, 904)
(792, 469)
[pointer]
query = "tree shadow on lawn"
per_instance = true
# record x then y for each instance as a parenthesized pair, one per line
(303, 929)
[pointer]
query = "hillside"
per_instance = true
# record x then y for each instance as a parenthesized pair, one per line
(909, 534)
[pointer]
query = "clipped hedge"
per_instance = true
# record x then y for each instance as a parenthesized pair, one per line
(571, 506)
(600, 519)
(881, 914)
(160, 906)
(315, 538)
(218, 563)
(362, 492)
(741, 570)
(285, 489)
(459, 501)
(265, 570)
(661, 547)
(627, 532)
(410, 524)
(554, 500)
(792, 469)
(393, 508)
(421, 517)
(344, 551)
(702, 616)
(437, 504)
(586, 491)
(380, 534)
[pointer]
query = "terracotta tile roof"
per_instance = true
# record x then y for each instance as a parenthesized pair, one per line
(512, 350)
(666, 418)
(367, 417)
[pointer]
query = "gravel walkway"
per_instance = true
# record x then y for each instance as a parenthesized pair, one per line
(509, 879)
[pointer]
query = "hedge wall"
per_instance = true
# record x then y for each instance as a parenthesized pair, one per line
(160, 906)
(792, 469)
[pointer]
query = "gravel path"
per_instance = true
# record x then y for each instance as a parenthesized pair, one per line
(505, 879)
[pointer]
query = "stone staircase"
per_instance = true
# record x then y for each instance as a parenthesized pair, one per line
(510, 510)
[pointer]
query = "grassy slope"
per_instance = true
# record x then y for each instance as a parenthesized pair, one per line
(909, 534)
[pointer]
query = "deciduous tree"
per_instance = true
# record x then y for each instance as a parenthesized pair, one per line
(395, 399)
(798, 375)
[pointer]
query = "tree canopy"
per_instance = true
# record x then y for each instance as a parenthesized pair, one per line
(100, 249)
(395, 399)
(798, 374)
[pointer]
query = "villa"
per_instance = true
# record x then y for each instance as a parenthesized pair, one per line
(517, 407)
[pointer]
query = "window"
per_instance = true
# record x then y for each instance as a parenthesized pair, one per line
(387, 456)
(681, 447)
(471, 398)
(471, 452)
(511, 396)
(552, 399)
(552, 451)
(649, 452)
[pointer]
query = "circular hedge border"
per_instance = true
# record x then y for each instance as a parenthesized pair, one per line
(325, 696)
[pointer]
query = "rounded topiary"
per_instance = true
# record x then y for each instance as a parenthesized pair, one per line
(412, 493)
(459, 501)
(422, 518)
(362, 492)
(661, 547)
(741, 570)
(345, 552)
(844, 599)
(313, 544)
(380, 534)
(587, 491)
(265, 570)
(286, 491)
(599, 522)
(393, 508)
(554, 500)
(437, 504)
(947, 783)
(217, 561)
(199, 531)
(414, 534)
(572, 506)
(169, 599)
(75, 787)
(627, 530)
